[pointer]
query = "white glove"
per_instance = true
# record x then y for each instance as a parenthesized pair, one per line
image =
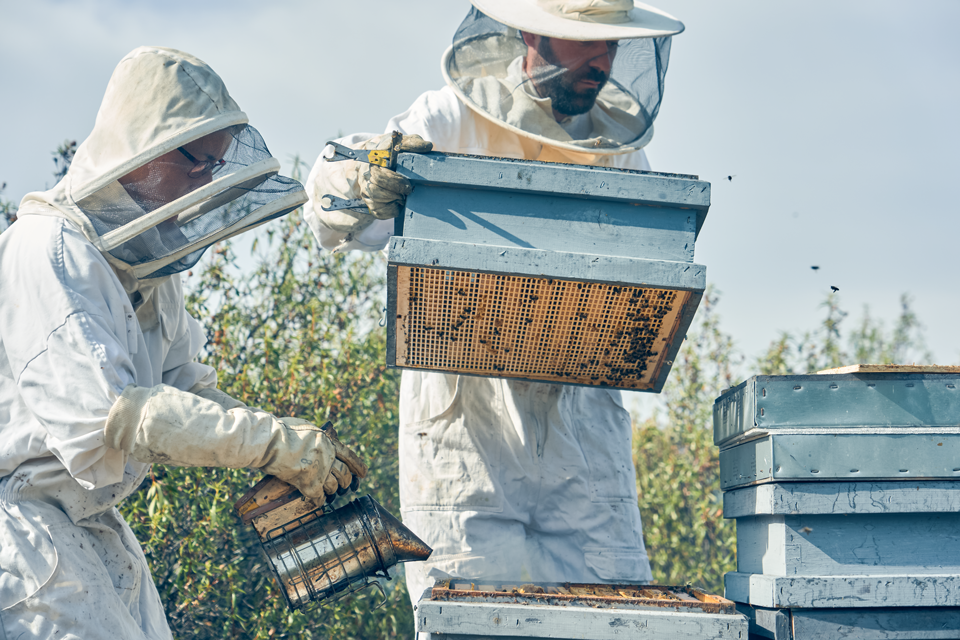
(212, 393)
(384, 191)
(165, 425)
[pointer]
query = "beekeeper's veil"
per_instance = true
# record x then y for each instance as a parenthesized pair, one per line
(606, 85)
(170, 168)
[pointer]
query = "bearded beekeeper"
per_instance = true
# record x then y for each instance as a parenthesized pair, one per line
(98, 376)
(543, 487)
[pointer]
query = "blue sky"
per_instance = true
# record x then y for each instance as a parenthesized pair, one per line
(837, 119)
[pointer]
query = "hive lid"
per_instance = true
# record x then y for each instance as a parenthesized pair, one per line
(892, 368)
(884, 400)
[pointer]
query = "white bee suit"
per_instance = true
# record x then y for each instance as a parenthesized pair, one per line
(87, 344)
(505, 480)
(70, 564)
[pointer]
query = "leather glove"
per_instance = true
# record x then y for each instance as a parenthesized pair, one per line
(384, 191)
(341, 478)
(165, 425)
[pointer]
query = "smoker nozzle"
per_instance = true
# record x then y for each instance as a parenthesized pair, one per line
(406, 545)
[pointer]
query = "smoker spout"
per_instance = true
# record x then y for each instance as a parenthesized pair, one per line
(406, 545)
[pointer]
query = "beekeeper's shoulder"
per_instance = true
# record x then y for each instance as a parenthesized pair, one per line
(437, 116)
(50, 256)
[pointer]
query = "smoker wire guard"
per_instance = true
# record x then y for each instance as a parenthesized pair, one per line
(275, 538)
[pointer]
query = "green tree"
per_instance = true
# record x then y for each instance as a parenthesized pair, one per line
(868, 343)
(8, 211)
(678, 477)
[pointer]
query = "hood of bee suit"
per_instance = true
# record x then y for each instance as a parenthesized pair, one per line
(170, 168)
(599, 63)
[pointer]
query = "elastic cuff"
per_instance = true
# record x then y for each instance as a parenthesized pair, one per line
(124, 419)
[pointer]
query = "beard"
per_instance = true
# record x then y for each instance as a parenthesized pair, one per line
(558, 83)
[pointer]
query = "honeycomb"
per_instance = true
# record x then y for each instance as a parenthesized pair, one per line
(550, 330)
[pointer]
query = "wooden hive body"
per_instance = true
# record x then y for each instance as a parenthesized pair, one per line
(475, 611)
(544, 272)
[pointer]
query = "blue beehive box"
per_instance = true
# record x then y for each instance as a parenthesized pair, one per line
(544, 272)
(853, 426)
(844, 488)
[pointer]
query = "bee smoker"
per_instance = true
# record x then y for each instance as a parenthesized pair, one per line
(319, 554)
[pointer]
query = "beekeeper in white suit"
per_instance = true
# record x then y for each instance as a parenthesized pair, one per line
(504, 479)
(98, 377)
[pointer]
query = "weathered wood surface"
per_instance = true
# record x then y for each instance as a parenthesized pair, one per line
(551, 222)
(766, 623)
(812, 498)
(768, 403)
(883, 624)
(548, 264)
(844, 545)
(912, 623)
(484, 620)
(843, 591)
(814, 456)
(892, 368)
(474, 174)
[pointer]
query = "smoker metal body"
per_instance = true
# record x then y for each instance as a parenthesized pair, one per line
(544, 272)
(320, 554)
(470, 611)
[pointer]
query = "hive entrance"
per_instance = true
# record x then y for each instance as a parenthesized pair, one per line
(535, 328)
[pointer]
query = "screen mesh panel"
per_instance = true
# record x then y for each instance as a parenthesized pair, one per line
(535, 328)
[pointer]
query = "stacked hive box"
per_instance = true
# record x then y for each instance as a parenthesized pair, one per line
(846, 495)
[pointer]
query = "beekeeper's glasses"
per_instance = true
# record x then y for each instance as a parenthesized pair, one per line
(202, 167)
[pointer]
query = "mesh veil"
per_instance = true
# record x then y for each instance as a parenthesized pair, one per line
(244, 192)
(486, 67)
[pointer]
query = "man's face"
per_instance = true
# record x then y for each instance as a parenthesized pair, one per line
(569, 72)
(166, 178)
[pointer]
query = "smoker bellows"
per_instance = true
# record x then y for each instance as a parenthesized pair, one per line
(545, 272)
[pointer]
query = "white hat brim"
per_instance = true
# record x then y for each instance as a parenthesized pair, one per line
(526, 15)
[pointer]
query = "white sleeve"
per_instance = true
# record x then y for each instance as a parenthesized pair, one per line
(70, 387)
(180, 368)
(342, 230)
(435, 116)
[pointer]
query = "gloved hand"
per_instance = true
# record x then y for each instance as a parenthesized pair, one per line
(341, 479)
(384, 191)
(165, 425)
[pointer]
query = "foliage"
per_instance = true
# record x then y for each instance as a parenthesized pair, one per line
(677, 464)
(62, 158)
(293, 334)
(869, 343)
(8, 212)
